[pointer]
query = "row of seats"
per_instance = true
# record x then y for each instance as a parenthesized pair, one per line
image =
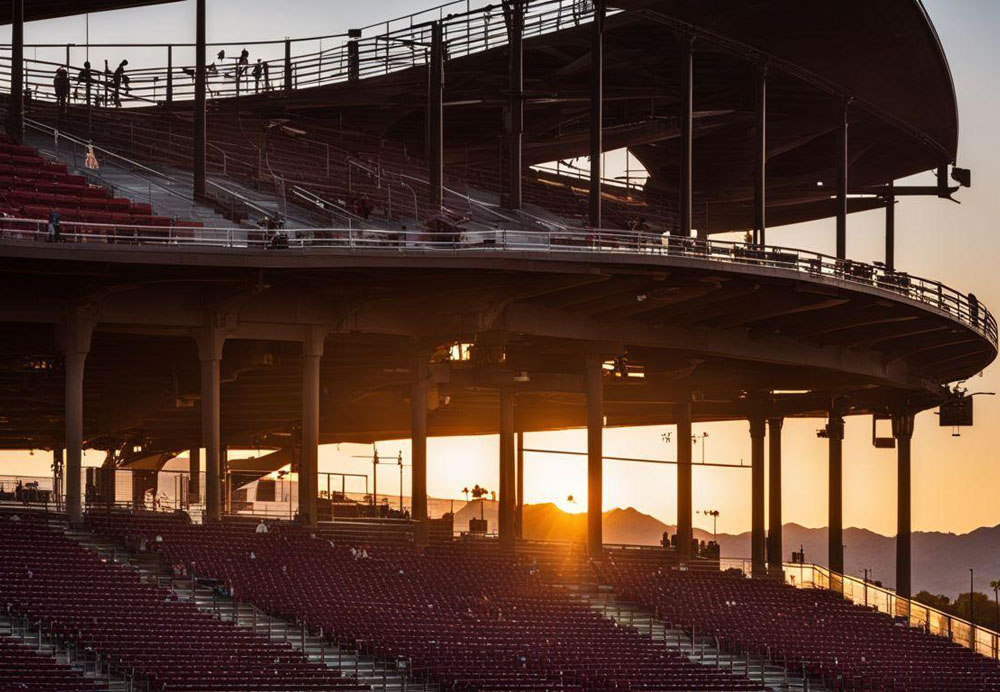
(138, 628)
(459, 616)
(25, 668)
(849, 647)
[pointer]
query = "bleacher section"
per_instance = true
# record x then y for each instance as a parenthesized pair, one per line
(137, 628)
(24, 668)
(850, 647)
(461, 616)
(33, 188)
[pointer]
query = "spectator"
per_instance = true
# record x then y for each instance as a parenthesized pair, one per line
(61, 85)
(120, 80)
(261, 527)
(86, 77)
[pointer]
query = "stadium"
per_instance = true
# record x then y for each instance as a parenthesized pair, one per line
(412, 231)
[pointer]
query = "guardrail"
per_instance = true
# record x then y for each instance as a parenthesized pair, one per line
(861, 592)
(931, 294)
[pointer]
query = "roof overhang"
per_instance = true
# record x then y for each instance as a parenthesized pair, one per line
(35, 10)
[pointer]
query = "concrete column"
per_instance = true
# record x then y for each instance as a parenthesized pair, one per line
(435, 117)
(842, 165)
(312, 353)
(519, 518)
(514, 15)
(757, 430)
(200, 152)
(682, 416)
(902, 430)
(775, 549)
(78, 329)
(210, 342)
(596, 111)
(15, 109)
(760, 162)
(835, 431)
(685, 212)
(418, 437)
(194, 468)
(507, 484)
(594, 377)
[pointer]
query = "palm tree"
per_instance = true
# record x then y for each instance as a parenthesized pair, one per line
(995, 585)
(466, 491)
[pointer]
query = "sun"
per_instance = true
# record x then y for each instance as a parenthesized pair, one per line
(571, 505)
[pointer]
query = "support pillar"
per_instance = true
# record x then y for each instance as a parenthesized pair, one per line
(760, 163)
(842, 165)
(194, 468)
(902, 430)
(514, 16)
(685, 210)
(505, 515)
(312, 354)
(210, 342)
(435, 117)
(757, 430)
(353, 55)
(170, 75)
(418, 437)
(15, 111)
(78, 328)
(835, 549)
(890, 229)
(200, 152)
(594, 379)
(519, 518)
(597, 111)
(288, 66)
(775, 549)
(682, 416)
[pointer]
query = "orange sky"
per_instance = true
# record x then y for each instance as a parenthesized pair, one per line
(956, 481)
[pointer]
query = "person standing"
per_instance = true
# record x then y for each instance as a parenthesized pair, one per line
(62, 87)
(120, 80)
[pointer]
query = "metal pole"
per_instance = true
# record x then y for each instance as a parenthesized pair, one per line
(514, 14)
(890, 229)
(170, 75)
(435, 117)
(519, 518)
(15, 111)
(596, 111)
(760, 164)
(288, 65)
(687, 143)
(200, 153)
(594, 378)
(842, 165)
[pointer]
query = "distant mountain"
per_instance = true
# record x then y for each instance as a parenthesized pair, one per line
(941, 561)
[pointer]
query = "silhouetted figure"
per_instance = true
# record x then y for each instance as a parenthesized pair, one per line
(258, 72)
(120, 80)
(242, 64)
(62, 87)
(86, 77)
(267, 77)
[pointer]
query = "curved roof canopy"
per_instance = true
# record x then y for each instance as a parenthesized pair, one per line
(51, 9)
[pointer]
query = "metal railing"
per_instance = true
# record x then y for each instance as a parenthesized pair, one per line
(862, 592)
(934, 295)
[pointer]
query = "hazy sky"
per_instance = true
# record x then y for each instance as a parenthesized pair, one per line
(956, 481)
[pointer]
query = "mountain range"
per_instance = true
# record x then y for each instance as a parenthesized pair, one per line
(941, 561)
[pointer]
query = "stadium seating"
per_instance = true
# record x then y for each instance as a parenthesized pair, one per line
(24, 668)
(466, 618)
(137, 628)
(848, 646)
(32, 188)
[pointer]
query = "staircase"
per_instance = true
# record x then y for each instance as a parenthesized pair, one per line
(380, 676)
(703, 650)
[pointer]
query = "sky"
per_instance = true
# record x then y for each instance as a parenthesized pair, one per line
(956, 480)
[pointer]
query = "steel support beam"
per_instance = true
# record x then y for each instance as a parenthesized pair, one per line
(210, 342)
(194, 468)
(835, 523)
(78, 329)
(682, 414)
(842, 182)
(685, 185)
(312, 354)
(435, 117)
(507, 462)
(760, 162)
(890, 228)
(514, 16)
(594, 379)
(200, 153)
(757, 431)
(902, 430)
(169, 98)
(15, 109)
(775, 549)
(597, 111)
(519, 518)
(288, 66)
(418, 442)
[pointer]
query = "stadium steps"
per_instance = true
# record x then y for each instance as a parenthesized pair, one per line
(381, 677)
(703, 650)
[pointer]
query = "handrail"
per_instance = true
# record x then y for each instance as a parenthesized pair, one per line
(965, 309)
(980, 639)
